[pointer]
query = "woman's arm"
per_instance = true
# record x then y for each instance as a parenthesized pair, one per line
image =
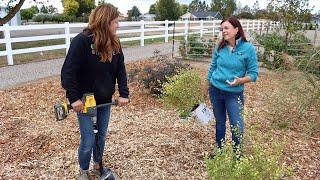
(71, 65)
(213, 64)
(122, 81)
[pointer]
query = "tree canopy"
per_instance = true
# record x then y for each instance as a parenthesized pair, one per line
(225, 7)
(167, 10)
(197, 5)
(134, 13)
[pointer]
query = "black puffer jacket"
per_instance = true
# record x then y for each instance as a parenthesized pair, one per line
(83, 72)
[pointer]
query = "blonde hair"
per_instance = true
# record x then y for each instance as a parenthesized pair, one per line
(105, 42)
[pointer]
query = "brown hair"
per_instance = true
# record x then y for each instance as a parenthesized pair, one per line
(105, 42)
(236, 24)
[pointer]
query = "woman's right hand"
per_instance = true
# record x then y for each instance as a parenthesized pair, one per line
(77, 106)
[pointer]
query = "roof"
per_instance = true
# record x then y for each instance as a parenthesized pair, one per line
(203, 14)
(316, 16)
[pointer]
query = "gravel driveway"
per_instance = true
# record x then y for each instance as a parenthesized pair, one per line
(18, 74)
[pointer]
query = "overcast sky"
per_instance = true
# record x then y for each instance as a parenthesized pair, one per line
(143, 5)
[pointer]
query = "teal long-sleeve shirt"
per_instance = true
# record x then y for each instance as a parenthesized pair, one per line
(226, 65)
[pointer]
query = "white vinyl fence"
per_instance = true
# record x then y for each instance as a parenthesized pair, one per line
(129, 31)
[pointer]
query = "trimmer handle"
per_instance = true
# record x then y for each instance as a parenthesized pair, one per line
(61, 109)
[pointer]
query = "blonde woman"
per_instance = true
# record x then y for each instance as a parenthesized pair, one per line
(94, 64)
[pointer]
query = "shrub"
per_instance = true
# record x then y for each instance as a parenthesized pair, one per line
(183, 91)
(154, 72)
(271, 42)
(156, 77)
(261, 164)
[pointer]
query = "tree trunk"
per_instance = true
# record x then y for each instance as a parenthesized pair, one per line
(11, 13)
(286, 42)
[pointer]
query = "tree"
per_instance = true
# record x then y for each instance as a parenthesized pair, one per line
(85, 7)
(34, 9)
(197, 5)
(167, 10)
(28, 13)
(70, 7)
(262, 14)
(134, 13)
(183, 8)
(255, 7)
(152, 9)
(52, 10)
(44, 9)
(292, 14)
(245, 15)
(225, 7)
(101, 2)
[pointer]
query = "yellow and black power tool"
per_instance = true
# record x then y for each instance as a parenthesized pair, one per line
(61, 109)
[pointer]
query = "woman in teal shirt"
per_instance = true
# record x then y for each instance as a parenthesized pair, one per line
(234, 63)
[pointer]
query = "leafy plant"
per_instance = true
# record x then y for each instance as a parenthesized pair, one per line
(183, 91)
(260, 160)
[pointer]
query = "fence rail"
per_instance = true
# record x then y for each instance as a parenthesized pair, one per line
(140, 30)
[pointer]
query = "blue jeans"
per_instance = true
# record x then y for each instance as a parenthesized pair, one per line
(87, 140)
(224, 102)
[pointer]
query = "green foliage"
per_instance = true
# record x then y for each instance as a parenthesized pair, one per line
(133, 14)
(274, 45)
(70, 7)
(183, 8)
(85, 7)
(292, 14)
(225, 7)
(261, 163)
(44, 9)
(245, 15)
(53, 18)
(197, 5)
(272, 42)
(167, 10)
(196, 47)
(26, 14)
(183, 91)
(152, 9)
(310, 63)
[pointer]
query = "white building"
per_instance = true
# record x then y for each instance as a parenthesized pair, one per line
(201, 15)
(15, 21)
(147, 17)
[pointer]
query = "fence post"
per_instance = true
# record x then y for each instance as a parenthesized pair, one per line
(8, 44)
(67, 33)
(186, 30)
(166, 31)
(142, 33)
(213, 28)
(201, 28)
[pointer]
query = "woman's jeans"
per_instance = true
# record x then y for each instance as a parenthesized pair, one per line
(224, 102)
(87, 140)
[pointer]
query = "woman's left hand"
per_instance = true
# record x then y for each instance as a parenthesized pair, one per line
(122, 101)
(235, 82)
